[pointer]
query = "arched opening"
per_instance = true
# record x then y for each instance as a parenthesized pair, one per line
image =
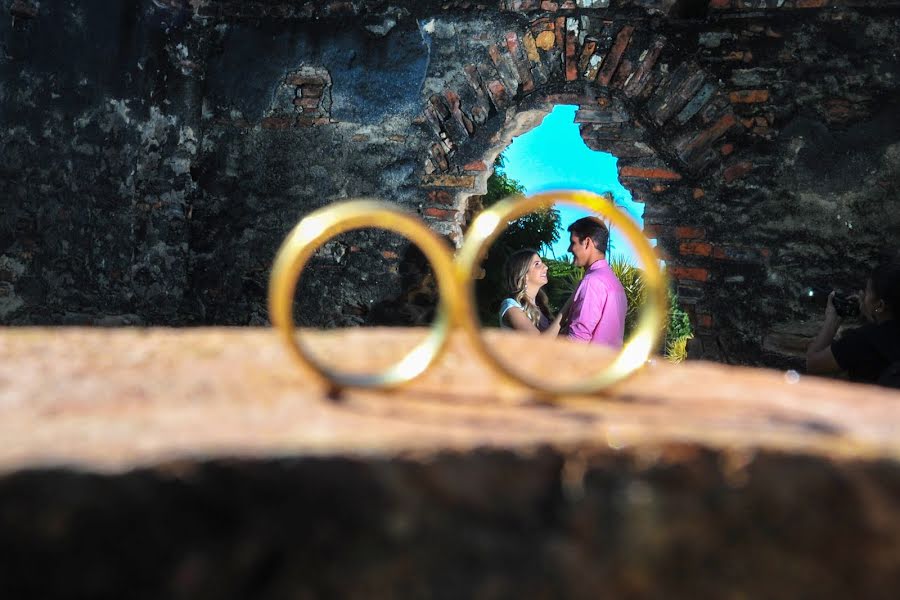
(553, 154)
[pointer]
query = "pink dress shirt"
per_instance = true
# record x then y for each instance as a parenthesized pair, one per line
(598, 307)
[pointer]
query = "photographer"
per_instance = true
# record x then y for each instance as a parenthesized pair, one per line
(870, 353)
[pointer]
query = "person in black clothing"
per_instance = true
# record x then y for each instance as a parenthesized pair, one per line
(870, 353)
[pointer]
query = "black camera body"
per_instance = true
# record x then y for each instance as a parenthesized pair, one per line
(844, 305)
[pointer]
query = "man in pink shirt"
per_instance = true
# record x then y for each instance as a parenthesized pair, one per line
(599, 304)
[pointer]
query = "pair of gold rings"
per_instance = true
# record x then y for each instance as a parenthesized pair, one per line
(455, 279)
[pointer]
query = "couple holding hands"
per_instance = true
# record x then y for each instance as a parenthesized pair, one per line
(596, 311)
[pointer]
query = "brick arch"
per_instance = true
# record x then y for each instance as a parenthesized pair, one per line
(670, 124)
(682, 105)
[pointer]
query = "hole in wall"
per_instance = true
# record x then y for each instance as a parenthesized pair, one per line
(551, 156)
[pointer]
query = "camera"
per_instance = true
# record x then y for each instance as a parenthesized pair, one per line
(844, 304)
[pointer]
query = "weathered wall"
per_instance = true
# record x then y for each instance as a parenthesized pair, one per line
(155, 153)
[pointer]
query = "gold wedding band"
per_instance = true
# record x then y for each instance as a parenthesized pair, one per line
(456, 304)
(488, 226)
(322, 225)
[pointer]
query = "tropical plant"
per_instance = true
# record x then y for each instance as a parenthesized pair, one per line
(676, 349)
(630, 278)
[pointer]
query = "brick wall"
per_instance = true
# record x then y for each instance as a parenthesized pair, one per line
(762, 138)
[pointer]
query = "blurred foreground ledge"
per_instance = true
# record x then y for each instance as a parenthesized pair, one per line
(204, 464)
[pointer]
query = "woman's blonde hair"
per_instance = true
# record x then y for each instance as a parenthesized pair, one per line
(516, 269)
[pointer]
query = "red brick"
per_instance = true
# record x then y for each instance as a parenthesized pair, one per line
(659, 188)
(449, 181)
(440, 213)
(648, 173)
(390, 254)
(690, 148)
(653, 231)
(704, 320)
(498, 93)
(615, 55)
(689, 273)
(749, 96)
(440, 197)
(307, 102)
(299, 80)
(439, 157)
(737, 171)
(549, 6)
(586, 53)
(571, 63)
(643, 73)
(518, 56)
(561, 33)
(726, 149)
(698, 193)
(459, 116)
(477, 165)
(312, 121)
(622, 73)
(695, 249)
(720, 4)
(690, 233)
(312, 91)
(277, 122)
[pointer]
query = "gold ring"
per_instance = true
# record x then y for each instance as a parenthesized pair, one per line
(330, 221)
(485, 229)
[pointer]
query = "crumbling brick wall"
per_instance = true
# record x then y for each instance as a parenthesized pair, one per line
(154, 187)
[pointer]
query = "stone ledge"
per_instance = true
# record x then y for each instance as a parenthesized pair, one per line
(118, 399)
(203, 464)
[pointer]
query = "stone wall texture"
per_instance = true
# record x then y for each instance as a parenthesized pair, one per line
(153, 153)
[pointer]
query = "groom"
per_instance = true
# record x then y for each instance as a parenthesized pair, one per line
(597, 314)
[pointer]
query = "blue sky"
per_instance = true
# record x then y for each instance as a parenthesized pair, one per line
(553, 156)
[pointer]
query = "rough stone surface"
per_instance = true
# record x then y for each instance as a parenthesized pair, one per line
(203, 463)
(153, 154)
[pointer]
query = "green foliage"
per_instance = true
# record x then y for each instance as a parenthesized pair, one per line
(563, 278)
(679, 322)
(630, 278)
(537, 230)
(676, 349)
(678, 331)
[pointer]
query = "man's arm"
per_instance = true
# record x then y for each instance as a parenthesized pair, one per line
(587, 308)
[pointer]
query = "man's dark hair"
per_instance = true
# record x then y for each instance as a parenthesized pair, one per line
(591, 227)
(886, 284)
